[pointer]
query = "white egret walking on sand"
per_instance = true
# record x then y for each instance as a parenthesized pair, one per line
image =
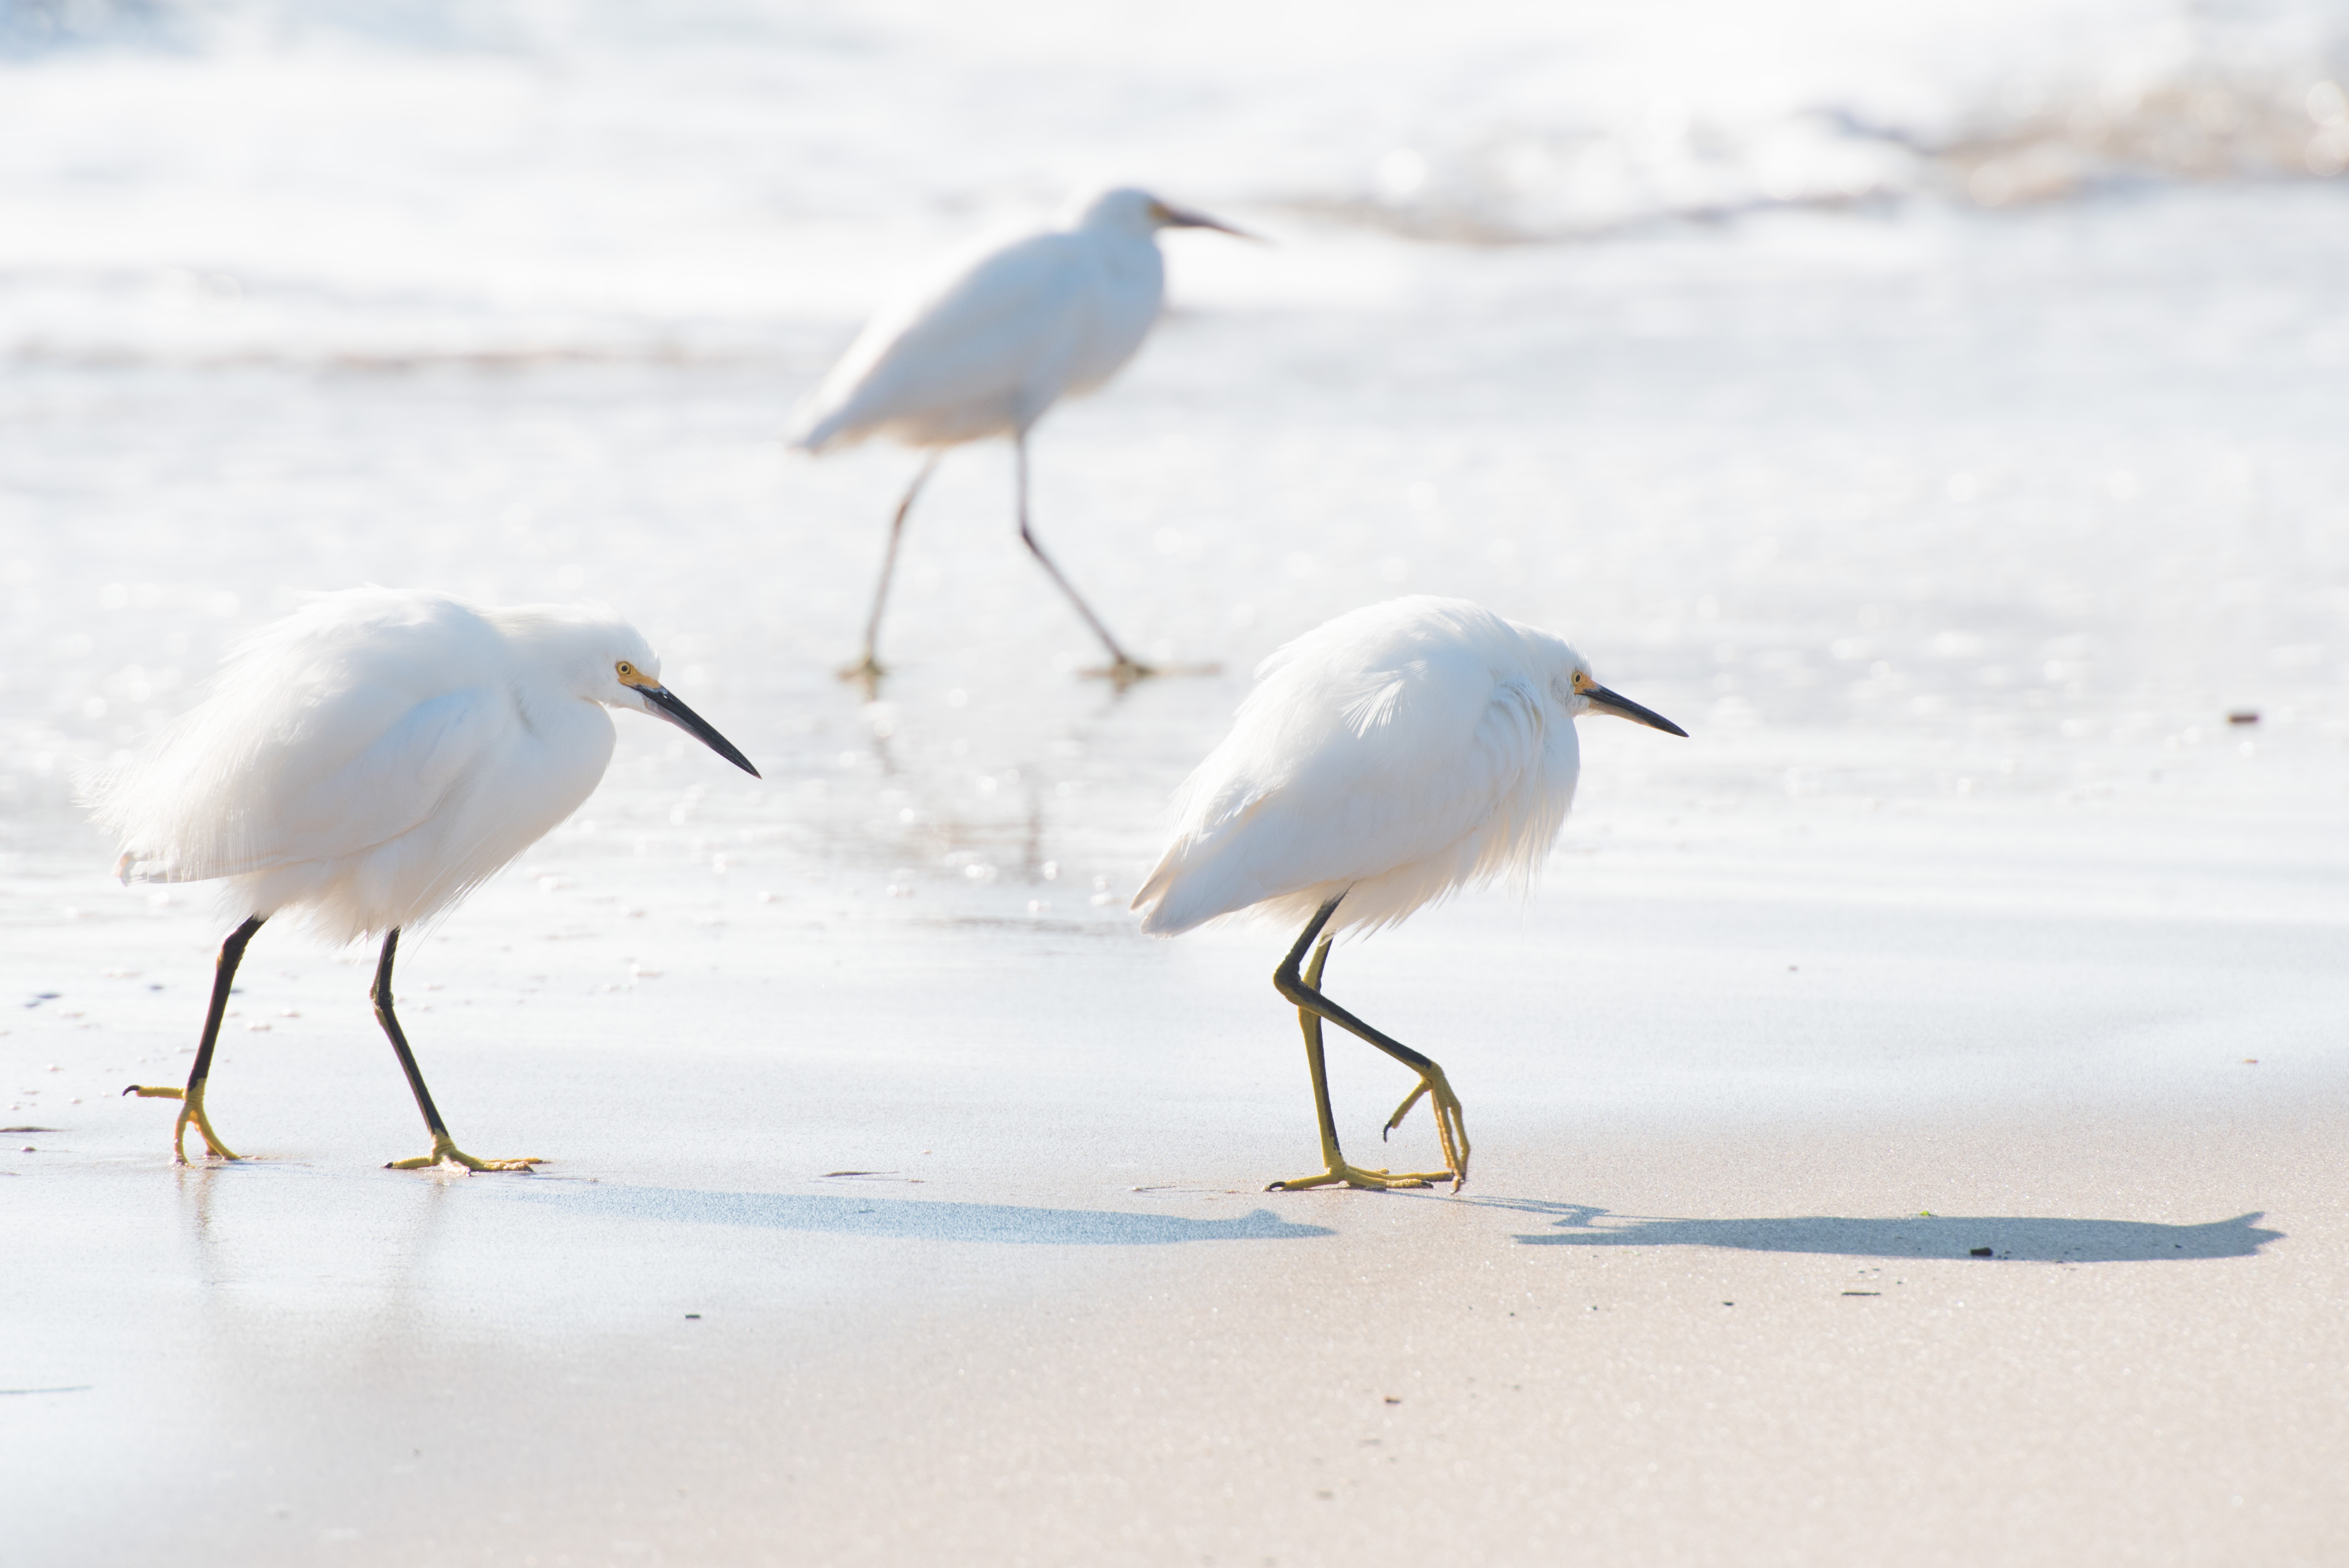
(369, 761)
(1384, 761)
(985, 348)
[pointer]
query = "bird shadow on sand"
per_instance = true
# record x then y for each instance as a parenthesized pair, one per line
(2009, 1237)
(913, 1218)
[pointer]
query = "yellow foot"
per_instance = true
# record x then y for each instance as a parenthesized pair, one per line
(1126, 671)
(1355, 1176)
(445, 1150)
(192, 1109)
(864, 675)
(1451, 1122)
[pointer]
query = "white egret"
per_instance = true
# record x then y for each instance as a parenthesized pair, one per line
(369, 761)
(1384, 761)
(988, 345)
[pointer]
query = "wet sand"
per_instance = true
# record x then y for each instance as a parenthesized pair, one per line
(934, 1235)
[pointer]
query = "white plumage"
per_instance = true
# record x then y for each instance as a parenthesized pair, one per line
(371, 758)
(374, 756)
(988, 344)
(984, 347)
(1401, 752)
(1384, 761)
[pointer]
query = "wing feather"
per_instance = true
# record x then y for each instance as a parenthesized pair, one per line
(273, 764)
(1379, 743)
(396, 784)
(962, 358)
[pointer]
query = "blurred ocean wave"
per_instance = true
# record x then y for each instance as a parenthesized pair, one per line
(1484, 122)
(1517, 185)
(2079, 99)
(502, 183)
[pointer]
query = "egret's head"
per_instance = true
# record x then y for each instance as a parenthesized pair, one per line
(640, 683)
(1574, 689)
(586, 652)
(639, 675)
(1130, 211)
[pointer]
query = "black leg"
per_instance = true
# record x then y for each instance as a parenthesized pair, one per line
(868, 669)
(191, 1099)
(1310, 1023)
(1304, 993)
(232, 954)
(381, 994)
(1123, 670)
(444, 1148)
(1294, 986)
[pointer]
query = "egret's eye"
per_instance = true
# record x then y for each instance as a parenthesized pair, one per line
(1582, 681)
(626, 669)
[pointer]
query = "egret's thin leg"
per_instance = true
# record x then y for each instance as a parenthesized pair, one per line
(191, 1099)
(1334, 1168)
(868, 669)
(1312, 1007)
(1123, 670)
(443, 1146)
(1331, 1157)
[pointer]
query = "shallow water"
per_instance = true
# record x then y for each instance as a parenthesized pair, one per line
(1907, 508)
(1901, 500)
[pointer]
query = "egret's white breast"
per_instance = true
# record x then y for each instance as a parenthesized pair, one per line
(1120, 308)
(526, 766)
(991, 344)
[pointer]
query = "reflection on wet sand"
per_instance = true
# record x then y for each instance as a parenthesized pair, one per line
(915, 1219)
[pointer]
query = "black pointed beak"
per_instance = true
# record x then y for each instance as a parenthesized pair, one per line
(1605, 701)
(662, 703)
(1183, 218)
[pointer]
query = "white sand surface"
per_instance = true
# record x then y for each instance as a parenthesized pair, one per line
(969, 1212)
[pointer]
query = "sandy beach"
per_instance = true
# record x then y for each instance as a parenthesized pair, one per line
(813, 1276)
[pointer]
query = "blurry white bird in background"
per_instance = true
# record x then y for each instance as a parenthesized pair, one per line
(369, 761)
(987, 347)
(1384, 761)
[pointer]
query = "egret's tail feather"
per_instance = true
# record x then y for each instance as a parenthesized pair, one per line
(1188, 889)
(1151, 900)
(827, 421)
(1184, 891)
(813, 430)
